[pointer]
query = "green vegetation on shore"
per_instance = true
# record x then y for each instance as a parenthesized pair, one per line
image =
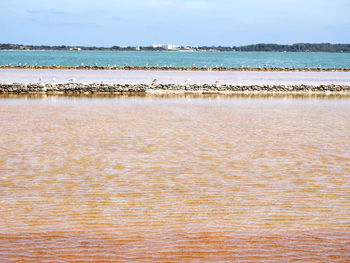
(300, 47)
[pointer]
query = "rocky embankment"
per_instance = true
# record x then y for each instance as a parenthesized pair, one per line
(306, 69)
(76, 88)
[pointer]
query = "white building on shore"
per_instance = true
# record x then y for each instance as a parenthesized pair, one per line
(157, 46)
(171, 47)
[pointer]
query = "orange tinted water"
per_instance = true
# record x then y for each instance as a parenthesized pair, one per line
(174, 179)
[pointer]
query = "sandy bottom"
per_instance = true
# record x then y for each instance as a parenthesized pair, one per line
(176, 77)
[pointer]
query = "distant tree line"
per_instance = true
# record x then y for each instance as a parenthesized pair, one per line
(299, 47)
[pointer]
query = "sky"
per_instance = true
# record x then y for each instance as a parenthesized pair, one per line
(183, 22)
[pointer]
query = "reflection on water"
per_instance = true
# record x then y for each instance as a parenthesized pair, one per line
(174, 179)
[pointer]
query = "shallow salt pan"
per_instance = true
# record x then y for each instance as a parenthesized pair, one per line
(174, 180)
(176, 77)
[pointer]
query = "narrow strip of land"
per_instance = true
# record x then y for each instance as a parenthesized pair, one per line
(172, 77)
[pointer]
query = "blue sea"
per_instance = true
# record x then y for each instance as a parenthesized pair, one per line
(176, 59)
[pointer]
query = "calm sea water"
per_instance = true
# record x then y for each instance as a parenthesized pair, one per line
(177, 59)
(152, 179)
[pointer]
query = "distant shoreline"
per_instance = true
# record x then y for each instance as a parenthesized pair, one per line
(262, 47)
(176, 51)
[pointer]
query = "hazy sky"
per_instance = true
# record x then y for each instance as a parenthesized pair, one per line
(185, 22)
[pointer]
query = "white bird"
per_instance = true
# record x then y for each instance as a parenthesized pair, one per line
(41, 79)
(53, 80)
(72, 80)
(154, 81)
(187, 80)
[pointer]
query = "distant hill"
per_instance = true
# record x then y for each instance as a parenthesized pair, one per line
(299, 47)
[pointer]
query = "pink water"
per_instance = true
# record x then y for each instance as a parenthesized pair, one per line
(174, 179)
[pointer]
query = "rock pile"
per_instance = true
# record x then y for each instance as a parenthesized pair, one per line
(76, 88)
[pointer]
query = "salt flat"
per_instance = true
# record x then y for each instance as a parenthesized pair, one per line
(167, 77)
